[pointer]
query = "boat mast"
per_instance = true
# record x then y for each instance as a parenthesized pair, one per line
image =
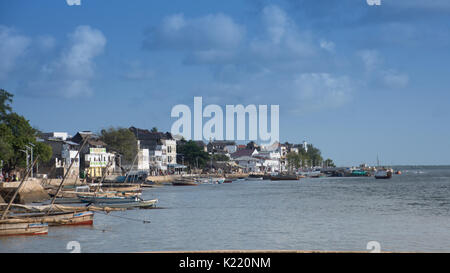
(65, 175)
(132, 165)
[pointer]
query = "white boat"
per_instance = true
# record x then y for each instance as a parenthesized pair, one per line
(383, 174)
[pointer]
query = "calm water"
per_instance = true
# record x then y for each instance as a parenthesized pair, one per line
(410, 212)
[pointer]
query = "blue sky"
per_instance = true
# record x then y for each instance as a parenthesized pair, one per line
(355, 80)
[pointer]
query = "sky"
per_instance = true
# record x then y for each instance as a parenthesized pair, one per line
(357, 81)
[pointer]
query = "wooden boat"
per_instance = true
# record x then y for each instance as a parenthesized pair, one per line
(228, 181)
(284, 177)
(253, 177)
(142, 204)
(185, 182)
(17, 227)
(107, 199)
(62, 218)
(119, 202)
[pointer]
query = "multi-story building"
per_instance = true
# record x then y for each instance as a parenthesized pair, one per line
(162, 149)
(94, 157)
(64, 152)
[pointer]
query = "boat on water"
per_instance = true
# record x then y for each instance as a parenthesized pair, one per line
(228, 181)
(126, 202)
(18, 227)
(60, 218)
(254, 177)
(383, 174)
(284, 177)
(185, 182)
(142, 204)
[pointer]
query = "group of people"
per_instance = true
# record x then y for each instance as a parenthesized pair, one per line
(8, 177)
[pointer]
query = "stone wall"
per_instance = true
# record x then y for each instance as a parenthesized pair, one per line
(31, 191)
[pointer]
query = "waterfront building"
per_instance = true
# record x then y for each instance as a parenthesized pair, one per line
(218, 146)
(64, 152)
(162, 150)
(94, 157)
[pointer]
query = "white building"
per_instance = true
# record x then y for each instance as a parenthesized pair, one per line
(97, 160)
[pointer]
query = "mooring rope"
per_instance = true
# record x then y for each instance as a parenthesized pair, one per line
(123, 217)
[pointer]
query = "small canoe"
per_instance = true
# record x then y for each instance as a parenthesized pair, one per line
(17, 227)
(142, 204)
(107, 199)
(59, 218)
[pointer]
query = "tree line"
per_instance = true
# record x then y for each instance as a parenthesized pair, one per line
(15, 134)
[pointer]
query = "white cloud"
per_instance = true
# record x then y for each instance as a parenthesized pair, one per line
(371, 59)
(327, 45)
(315, 91)
(283, 38)
(214, 31)
(377, 72)
(71, 73)
(12, 47)
(394, 79)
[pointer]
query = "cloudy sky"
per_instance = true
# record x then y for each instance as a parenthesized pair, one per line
(356, 80)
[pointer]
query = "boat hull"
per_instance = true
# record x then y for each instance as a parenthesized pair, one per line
(22, 229)
(63, 218)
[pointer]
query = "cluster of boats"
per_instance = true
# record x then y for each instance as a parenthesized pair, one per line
(35, 219)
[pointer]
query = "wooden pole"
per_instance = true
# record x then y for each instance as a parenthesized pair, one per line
(103, 176)
(18, 188)
(128, 173)
(65, 175)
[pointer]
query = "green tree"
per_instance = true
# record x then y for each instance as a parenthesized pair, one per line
(192, 154)
(154, 130)
(220, 157)
(6, 138)
(22, 135)
(314, 155)
(293, 160)
(5, 100)
(329, 163)
(120, 140)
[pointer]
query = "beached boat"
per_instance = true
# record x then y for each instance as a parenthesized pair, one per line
(16, 227)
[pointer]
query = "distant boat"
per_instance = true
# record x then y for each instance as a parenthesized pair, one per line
(185, 182)
(285, 177)
(383, 174)
(253, 177)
